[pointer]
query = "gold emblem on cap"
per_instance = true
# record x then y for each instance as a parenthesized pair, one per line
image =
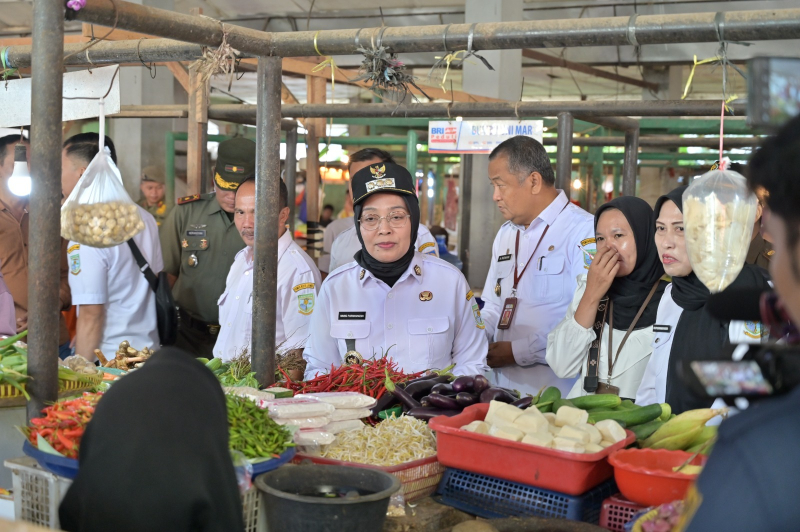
(378, 171)
(227, 185)
(417, 270)
(361, 275)
(425, 296)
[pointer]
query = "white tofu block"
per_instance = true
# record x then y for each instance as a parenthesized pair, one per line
(594, 434)
(528, 423)
(574, 433)
(611, 430)
(592, 448)
(477, 426)
(568, 415)
(550, 417)
(504, 411)
(540, 439)
(568, 444)
(552, 429)
(506, 432)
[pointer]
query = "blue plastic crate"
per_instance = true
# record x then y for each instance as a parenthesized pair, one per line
(494, 498)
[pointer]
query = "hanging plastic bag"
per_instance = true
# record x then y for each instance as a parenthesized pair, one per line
(99, 212)
(718, 215)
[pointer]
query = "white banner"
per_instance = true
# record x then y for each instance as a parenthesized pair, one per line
(477, 136)
(15, 96)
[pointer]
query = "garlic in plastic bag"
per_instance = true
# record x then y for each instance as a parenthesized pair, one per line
(718, 216)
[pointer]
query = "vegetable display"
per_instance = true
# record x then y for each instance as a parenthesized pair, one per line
(685, 432)
(236, 373)
(253, 433)
(62, 426)
(126, 357)
(395, 441)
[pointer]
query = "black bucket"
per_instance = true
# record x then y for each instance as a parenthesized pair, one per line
(286, 507)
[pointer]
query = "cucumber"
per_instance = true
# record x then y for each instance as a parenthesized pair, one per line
(558, 403)
(549, 395)
(666, 412)
(630, 417)
(627, 404)
(545, 407)
(644, 430)
(587, 402)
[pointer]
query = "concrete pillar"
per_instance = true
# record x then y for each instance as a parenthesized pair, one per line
(141, 141)
(505, 82)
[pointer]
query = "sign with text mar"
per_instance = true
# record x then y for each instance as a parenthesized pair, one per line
(477, 136)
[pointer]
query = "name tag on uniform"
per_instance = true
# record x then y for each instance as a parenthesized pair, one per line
(196, 233)
(352, 315)
(662, 328)
(503, 258)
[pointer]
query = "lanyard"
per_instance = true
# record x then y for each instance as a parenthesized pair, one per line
(516, 254)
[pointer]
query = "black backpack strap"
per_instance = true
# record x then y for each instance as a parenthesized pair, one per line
(143, 266)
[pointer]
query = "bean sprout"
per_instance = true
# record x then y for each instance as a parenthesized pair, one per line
(392, 442)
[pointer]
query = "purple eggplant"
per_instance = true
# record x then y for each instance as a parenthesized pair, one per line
(523, 403)
(400, 393)
(427, 414)
(513, 393)
(443, 402)
(465, 399)
(387, 400)
(443, 388)
(420, 389)
(480, 383)
(496, 394)
(463, 384)
(425, 402)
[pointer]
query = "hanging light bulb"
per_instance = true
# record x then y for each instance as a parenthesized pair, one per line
(20, 181)
(577, 184)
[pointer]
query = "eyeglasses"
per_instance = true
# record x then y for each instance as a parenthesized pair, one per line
(396, 220)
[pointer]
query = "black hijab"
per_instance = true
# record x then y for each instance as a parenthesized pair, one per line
(628, 293)
(698, 335)
(388, 272)
(155, 455)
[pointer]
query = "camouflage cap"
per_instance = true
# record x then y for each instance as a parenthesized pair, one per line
(236, 162)
(153, 174)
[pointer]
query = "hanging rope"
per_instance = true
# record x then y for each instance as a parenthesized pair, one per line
(328, 62)
(459, 56)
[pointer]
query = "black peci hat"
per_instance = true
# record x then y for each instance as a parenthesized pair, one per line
(382, 177)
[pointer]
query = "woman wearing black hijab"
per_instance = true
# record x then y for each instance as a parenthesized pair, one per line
(616, 301)
(684, 328)
(394, 299)
(155, 455)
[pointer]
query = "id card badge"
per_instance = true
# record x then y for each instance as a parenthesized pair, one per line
(509, 308)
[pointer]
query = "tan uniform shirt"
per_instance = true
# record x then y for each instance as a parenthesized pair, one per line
(14, 265)
(760, 252)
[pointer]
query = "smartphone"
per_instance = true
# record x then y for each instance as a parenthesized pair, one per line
(731, 379)
(773, 91)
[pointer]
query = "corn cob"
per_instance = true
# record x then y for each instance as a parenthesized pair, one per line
(677, 442)
(683, 423)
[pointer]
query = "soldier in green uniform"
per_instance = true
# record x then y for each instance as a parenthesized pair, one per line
(199, 242)
(760, 252)
(153, 193)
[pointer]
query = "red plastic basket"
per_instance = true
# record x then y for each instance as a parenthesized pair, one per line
(419, 478)
(562, 471)
(617, 512)
(645, 476)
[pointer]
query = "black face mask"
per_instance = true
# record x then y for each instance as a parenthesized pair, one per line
(388, 272)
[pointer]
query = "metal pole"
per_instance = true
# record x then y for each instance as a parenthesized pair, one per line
(291, 172)
(268, 175)
(169, 162)
(564, 151)
(45, 226)
(629, 168)
(601, 31)
(464, 201)
(411, 153)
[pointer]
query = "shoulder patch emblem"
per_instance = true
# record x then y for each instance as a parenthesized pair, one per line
(753, 329)
(469, 295)
(75, 263)
(74, 247)
(303, 286)
(188, 199)
(305, 303)
(476, 312)
(590, 247)
(426, 245)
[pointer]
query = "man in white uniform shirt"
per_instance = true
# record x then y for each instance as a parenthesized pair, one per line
(340, 238)
(298, 284)
(115, 301)
(536, 259)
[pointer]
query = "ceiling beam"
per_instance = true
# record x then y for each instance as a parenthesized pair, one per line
(586, 69)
